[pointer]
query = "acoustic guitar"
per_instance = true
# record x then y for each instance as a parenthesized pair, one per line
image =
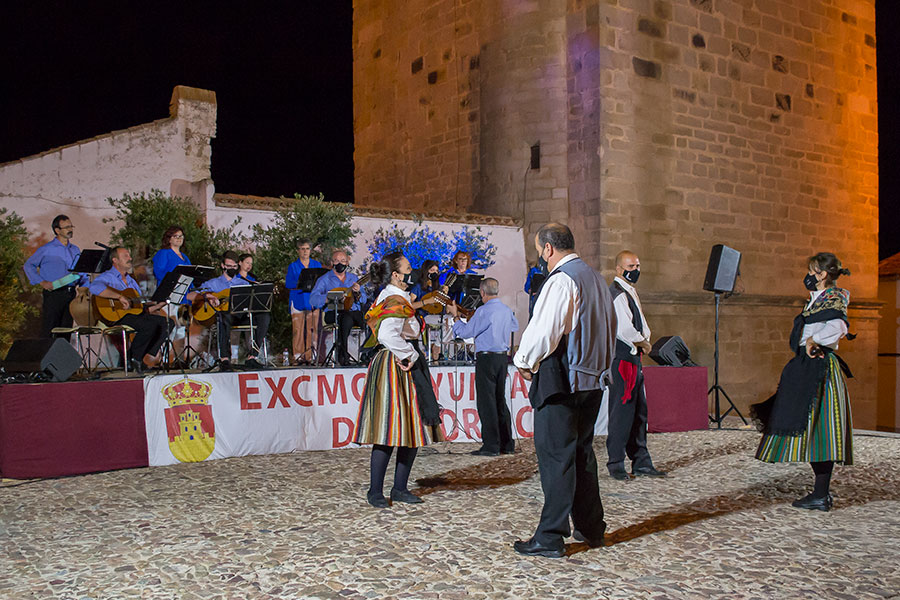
(109, 310)
(442, 298)
(349, 295)
(204, 312)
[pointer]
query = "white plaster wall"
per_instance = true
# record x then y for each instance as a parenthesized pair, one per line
(77, 179)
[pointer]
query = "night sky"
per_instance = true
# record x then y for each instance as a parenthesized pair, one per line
(283, 79)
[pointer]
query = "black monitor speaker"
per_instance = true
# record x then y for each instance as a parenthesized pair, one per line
(671, 351)
(54, 357)
(723, 269)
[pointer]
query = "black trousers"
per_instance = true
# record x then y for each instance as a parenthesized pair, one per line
(149, 333)
(627, 429)
(226, 321)
(346, 320)
(55, 309)
(563, 441)
(490, 389)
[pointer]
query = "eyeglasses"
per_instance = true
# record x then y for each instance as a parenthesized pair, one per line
(66, 227)
(179, 236)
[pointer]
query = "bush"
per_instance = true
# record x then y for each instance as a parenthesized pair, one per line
(327, 224)
(13, 306)
(146, 217)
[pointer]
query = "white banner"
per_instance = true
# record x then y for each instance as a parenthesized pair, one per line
(207, 416)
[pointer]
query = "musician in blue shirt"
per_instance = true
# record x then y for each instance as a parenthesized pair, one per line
(491, 326)
(459, 265)
(304, 318)
(49, 267)
(232, 276)
(340, 277)
(150, 330)
(169, 255)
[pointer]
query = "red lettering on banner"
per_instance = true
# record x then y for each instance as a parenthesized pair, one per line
(356, 388)
(472, 386)
(338, 441)
(246, 390)
(332, 392)
(455, 431)
(295, 391)
(519, 425)
(518, 385)
(456, 394)
(277, 393)
(470, 423)
(436, 385)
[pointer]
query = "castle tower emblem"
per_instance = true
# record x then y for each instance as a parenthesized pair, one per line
(189, 420)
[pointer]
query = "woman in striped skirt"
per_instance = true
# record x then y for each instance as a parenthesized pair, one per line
(398, 408)
(808, 418)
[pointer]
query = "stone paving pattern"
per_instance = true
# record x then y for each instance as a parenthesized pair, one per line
(297, 526)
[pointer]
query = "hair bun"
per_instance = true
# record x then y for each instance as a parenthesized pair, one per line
(844, 271)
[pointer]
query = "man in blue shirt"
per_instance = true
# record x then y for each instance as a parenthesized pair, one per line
(340, 277)
(150, 330)
(230, 278)
(491, 326)
(49, 267)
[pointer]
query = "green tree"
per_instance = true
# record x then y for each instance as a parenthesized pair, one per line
(13, 305)
(145, 217)
(327, 224)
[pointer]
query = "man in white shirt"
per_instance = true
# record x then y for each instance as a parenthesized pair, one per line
(565, 351)
(627, 429)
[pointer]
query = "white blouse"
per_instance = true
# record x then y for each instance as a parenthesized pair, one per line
(826, 333)
(394, 334)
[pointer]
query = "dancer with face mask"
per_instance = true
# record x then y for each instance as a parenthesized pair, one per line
(627, 430)
(398, 408)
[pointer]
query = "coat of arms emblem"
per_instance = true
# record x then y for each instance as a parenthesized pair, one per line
(189, 420)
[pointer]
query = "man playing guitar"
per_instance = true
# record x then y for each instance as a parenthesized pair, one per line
(339, 278)
(117, 284)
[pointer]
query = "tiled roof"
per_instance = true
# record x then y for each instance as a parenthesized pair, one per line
(269, 203)
(890, 267)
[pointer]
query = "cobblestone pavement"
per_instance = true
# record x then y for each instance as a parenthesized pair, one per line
(297, 526)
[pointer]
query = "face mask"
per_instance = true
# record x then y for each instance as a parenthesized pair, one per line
(231, 272)
(410, 278)
(340, 268)
(542, 265)
(631, 276)
(810, 282)
(434, 277)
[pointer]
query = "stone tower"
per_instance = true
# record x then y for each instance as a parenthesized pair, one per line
(662, 126)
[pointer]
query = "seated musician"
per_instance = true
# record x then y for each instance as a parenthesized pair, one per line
(235, 275)
(150, 330)
(340, 277)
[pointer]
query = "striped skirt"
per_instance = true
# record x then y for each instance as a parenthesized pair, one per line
(389, 410)
(828, 436)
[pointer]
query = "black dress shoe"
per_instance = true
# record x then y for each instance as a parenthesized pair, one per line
(513, 451)
(594, 542)
(137, 366)
(405, 496)
(532, 548)
(377, 500)
(811, 503)
(620, 474)
(224, 365)
(647, 472)
(252, 363)
(483, 452)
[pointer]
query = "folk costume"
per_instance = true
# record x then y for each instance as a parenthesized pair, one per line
(398, 407)
(808, 418)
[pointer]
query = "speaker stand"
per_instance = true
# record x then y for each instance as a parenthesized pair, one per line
(717, 389)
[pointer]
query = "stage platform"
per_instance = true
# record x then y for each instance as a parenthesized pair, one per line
(58, 429)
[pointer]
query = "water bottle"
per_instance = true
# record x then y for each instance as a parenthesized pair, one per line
(285, 358)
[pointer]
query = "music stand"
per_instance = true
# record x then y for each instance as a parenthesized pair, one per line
(308, 278)
(91, 262)
(335, 301)
(471, 285)
(249, 300)
(172, 290)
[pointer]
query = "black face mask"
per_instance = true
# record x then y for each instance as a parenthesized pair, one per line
(810, 282)
(410, 279)
(434, 277)
(542, 265)
(340, 268)
(231, 272)
(632, 276)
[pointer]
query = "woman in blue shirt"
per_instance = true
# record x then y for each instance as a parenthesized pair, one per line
(164, 261)
(304, 318)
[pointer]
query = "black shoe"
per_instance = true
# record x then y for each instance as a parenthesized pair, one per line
(809, 502)
(136, 366)
(620, 474)
(647, 472)
(483, 452)
(405, 496)
(377, 500)
(592, 542)
(513, 451)
(224, 365)
(252, 363)
(532, 548)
